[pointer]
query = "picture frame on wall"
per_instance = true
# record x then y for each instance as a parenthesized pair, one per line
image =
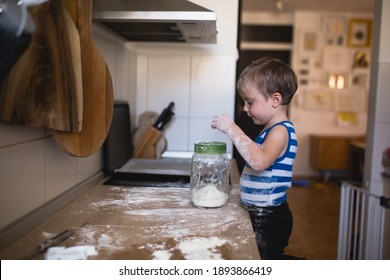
(347, 101)
(359, 80)
(335, 30)
(309, 41)
(347, 118)
(359, 34)
(318, 99)
(361, 59)
(336, 59)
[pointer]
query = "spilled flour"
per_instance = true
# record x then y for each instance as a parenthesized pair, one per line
(158, 223)
(190, 248)
(202, 248)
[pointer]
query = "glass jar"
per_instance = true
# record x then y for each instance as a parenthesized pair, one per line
(209, 181)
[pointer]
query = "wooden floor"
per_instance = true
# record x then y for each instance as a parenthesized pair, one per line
(315, 209)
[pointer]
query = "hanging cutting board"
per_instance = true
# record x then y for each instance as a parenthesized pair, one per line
(98, 94)
(44, 86)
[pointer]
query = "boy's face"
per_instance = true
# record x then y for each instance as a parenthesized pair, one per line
(258, 108)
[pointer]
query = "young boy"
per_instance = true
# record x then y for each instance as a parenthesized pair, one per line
(267, 86)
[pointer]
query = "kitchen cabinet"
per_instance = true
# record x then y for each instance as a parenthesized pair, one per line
(331, 154)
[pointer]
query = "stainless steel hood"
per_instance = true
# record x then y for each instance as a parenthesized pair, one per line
(156, 20)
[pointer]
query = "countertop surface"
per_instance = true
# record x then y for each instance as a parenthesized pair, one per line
(147, 223)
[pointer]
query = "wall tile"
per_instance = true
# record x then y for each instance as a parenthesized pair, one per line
(130, 93)
(60, 170)
(212, 86)
(176, 133)
(142, 86)
(13, 134)
(89, 166)
(22, 186)
(168, 80)
(108, 51)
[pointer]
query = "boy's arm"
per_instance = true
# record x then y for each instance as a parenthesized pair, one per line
(258, 157)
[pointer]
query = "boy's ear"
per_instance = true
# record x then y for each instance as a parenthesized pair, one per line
(276, 99)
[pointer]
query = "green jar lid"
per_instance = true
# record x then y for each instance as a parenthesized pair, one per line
(210, 147)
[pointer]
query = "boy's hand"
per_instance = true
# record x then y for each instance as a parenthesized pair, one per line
(222, 123)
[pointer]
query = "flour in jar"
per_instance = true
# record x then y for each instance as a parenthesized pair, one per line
(209, 196)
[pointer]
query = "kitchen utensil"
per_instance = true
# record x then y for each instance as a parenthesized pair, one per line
(42, 247)
(44, 87)
(164, 117)
(97, 89)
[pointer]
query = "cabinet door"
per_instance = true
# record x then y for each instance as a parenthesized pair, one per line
(330, 153)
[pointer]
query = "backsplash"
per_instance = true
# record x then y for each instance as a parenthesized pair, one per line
(33, 170)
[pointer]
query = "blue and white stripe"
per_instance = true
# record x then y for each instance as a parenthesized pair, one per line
(268, 187)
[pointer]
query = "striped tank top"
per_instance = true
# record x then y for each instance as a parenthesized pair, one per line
(268, 187)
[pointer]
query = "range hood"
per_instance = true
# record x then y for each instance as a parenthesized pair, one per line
(156, 20)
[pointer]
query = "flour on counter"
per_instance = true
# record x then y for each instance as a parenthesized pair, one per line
(202, 248)
(160, 214)
(162, 255)
(131, 198)
(209, 196)
(189, 248)
(101, 236)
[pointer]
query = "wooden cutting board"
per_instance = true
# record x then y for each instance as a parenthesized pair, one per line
(44, 87)
(98, 104)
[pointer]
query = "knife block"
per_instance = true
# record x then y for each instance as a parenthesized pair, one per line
(147, 145)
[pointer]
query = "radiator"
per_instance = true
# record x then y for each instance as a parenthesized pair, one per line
(361, 224)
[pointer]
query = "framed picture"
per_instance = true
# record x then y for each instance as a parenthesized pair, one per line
(347, 101)
(309, 41)
(335, 30)
(318, 99)
(337, 59)
(359, 80)
(359, 34)
(360, 59)
(347, 118)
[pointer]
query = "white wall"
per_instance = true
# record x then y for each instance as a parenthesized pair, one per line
(379, 104)
(309, 120)
(198, 78)
(378, 137)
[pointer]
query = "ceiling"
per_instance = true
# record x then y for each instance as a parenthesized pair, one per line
(353, 6)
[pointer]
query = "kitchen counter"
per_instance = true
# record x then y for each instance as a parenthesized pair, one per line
(148, 223)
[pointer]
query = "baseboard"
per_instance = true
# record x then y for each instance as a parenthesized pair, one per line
(20, 227)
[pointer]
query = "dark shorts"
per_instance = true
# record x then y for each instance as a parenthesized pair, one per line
(272, 227)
